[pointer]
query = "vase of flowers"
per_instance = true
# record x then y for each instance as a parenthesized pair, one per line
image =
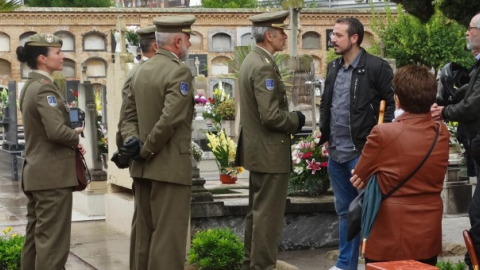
(211, 107)
(224, 149)
(310, 162)
(200, 101)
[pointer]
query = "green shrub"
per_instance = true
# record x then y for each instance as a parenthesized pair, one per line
(226, 110)
(451, 266)
(216, 249)
(11, 246)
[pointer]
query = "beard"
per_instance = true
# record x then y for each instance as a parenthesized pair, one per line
(184, 52)
(347, 49)
(473, 44)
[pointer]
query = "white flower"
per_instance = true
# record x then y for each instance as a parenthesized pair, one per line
(298, 169)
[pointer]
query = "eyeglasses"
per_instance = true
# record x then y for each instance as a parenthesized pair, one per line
(472, 27)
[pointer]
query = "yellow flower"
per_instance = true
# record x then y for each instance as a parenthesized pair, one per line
(7, 230)
(14, 235)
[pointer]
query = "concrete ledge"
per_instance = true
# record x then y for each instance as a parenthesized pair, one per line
(89, 204)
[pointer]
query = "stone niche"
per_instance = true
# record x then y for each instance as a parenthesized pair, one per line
(228, 86)
(221, 40)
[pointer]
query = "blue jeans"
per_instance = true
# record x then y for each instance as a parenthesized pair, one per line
(344, 193)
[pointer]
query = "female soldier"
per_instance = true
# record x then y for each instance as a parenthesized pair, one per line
(49, 172)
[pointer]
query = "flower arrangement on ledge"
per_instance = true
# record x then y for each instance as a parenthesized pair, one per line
(310, 162)
(224, 150)
(217, 101)
(200, 99)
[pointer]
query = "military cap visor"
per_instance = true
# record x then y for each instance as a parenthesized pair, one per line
(271, 19)
(146, 32)
(175, 24)
(44, 40)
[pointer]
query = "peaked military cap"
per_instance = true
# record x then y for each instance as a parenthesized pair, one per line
(146, 32)
(175, 24)
(271, 19)
(44, 40)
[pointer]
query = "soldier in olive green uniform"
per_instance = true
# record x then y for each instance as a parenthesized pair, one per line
(264, 141)
(149, 47)
(159, 113)
(49, 172)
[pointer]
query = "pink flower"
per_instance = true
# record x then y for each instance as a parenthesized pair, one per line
(314, 166)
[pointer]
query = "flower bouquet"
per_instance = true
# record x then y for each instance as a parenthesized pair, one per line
(196, 151)
(224, 149)
(200, 99)
(310, 162)
(211, 107)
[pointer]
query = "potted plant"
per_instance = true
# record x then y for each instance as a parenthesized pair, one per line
(310, 162)
(224, 149)
(216, 249)
(11, 245)
(132, 39)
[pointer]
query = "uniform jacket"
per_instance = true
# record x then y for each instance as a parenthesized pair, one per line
(467, 111)
(265, 122)
(371, 82)
(125, 91)
(159, 111)
(409, 222)
(50, 143)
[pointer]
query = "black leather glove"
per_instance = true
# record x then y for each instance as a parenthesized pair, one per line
(301, 120)
(131, 149)
(122, 161)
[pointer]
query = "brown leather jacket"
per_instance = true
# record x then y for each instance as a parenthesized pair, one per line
(409, 223)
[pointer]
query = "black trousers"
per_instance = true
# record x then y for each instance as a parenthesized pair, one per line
(474, 215)
(431, 261)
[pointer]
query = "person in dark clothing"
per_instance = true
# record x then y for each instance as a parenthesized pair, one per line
(467, 113)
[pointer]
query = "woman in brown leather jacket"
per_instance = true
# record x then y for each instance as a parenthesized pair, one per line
(409, 223)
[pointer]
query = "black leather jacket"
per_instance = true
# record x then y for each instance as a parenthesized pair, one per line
(371, 83)
(467, 111)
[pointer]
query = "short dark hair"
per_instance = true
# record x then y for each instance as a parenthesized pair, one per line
(416, 88)
(30, 54)
(146, 44)
(354, 27)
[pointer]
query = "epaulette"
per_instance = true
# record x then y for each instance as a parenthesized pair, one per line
(265, 59)
(44, 81)
(176, 60)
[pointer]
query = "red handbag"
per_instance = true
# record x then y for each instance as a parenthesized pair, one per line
(82, 172)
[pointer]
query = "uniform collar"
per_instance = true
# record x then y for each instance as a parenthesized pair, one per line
(264, 50)
(44, 73)
(168, 54)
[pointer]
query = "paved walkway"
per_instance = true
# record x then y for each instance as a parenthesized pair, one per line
(96, 245)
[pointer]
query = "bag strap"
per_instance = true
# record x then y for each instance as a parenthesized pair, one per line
(416, 169)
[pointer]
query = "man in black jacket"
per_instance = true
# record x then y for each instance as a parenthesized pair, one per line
(354, 87)
(467, 113)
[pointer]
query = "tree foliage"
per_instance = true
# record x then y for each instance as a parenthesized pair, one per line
(461, 11)
(229, 3)
(69, 3)
(432, 44)
(9, 5)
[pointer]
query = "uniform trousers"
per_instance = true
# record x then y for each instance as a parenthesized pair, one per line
(163, 212)
(47, 239)
(264, 220)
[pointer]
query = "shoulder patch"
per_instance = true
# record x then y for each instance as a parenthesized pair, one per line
(52, 101)
(44, 81)
(270, 84)
(184, 88)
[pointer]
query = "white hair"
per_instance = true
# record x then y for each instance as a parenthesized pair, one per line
(164, 39)
(258, 33)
